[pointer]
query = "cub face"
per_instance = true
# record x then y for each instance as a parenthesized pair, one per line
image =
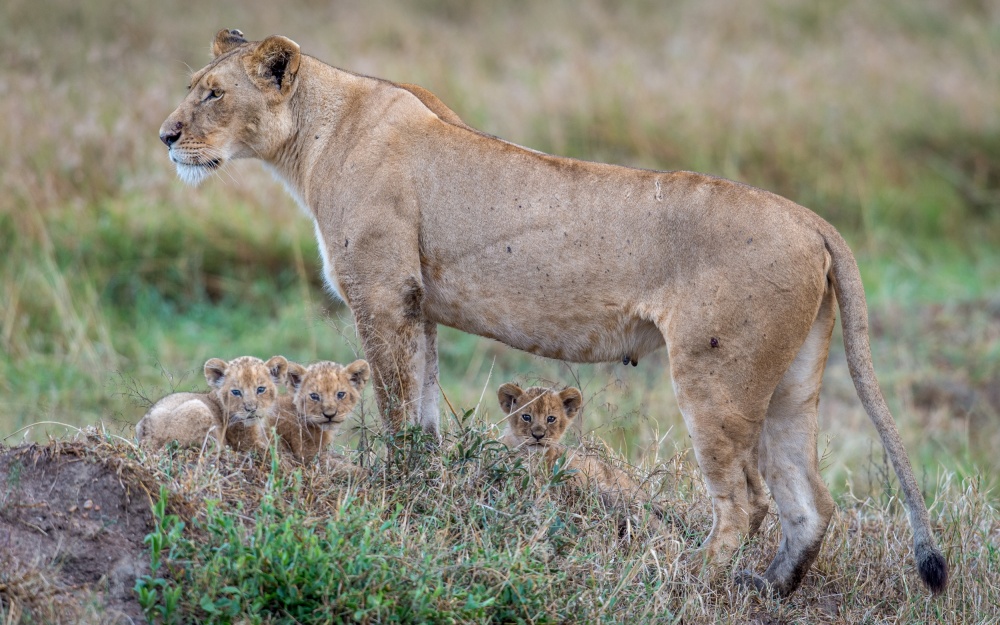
(236, 106)
(246, 387)
(538, 417)
(327, 392)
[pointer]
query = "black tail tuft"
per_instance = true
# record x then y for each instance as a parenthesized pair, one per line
(933, 568)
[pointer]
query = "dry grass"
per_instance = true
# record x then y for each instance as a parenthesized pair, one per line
(464, 519)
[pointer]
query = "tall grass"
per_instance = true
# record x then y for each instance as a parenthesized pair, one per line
(117, 282)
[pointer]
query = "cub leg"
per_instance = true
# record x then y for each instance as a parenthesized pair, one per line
(788, 458)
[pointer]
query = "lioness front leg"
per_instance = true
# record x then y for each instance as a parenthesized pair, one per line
(430, 417)
(391, 326)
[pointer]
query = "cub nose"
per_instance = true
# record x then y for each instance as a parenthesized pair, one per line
(171, 135)
(330, 415)
(538, 435)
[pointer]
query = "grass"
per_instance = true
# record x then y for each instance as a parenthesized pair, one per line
(118, 282)
(474, 534)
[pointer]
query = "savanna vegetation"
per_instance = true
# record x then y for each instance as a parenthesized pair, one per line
(117, 282)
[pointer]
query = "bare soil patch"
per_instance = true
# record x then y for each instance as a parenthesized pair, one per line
(72, 524)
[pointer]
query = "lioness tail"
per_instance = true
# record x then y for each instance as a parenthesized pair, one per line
(854, 320)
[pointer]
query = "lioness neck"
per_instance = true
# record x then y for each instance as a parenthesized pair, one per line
(328, 106)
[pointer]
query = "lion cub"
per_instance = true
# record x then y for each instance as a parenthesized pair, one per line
(324, 395)
(536, 422)
(238, 409)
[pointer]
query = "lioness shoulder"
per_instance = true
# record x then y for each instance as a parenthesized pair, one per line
(323, 396)
(243, 397)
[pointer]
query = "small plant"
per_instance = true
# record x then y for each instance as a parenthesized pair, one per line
(158, 597)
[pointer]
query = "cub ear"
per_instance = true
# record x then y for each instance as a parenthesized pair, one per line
(225, 40)
(359, 372)
(572, 400)
(274, 64)
(277, 366)
(508, 395)
(215, 372)
(294, 376)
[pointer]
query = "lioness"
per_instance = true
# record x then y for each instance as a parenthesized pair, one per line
(242, 400)
(422, 220)
(324, 394)
(537, 419)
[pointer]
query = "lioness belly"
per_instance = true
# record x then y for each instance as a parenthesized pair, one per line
(567, 333)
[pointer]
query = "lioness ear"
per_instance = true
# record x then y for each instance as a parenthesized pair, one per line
(215, 372)
(507, 395)
(359, 372)
(274, 64)
(295, 375)
(572, 400)
(277, 366)
(225, 40)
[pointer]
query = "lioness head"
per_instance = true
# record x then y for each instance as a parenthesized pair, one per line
(236, 106)
(246, 386)
(537, 416)
(326, 392)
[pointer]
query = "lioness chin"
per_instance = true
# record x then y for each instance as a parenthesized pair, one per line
(422, 220)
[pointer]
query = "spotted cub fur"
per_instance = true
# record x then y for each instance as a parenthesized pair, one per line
(324, 394)
(237, 409)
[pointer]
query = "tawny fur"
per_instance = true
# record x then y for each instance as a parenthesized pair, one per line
(323, 396)
(241, 420)
(422, 220)
(536, 423)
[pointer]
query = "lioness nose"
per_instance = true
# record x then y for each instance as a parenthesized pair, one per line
(169, 137)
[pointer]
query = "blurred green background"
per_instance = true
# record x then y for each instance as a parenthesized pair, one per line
(117, 281)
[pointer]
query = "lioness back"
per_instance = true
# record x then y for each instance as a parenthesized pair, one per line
(243, 396)
(324, 395)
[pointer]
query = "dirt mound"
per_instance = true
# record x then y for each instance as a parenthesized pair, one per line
(72, 523)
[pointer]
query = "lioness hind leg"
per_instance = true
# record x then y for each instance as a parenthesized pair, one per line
(756, 495)
(725, 438)
(788, 457)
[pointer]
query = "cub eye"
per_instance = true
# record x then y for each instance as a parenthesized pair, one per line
(551, 419)
(260, 390)
(526, 417)
(341, 395)
(237, 392)
(314, 396)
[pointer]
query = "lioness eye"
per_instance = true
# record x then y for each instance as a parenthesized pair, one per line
(237, 392)
(551, 419)
(213, 94)
(526, 417)
(314, 396)
(341, 395)
(260, 390)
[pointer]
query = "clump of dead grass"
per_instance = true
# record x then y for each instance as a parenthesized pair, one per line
(473, 534)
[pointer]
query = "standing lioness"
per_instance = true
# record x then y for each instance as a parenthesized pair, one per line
(422, 220)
